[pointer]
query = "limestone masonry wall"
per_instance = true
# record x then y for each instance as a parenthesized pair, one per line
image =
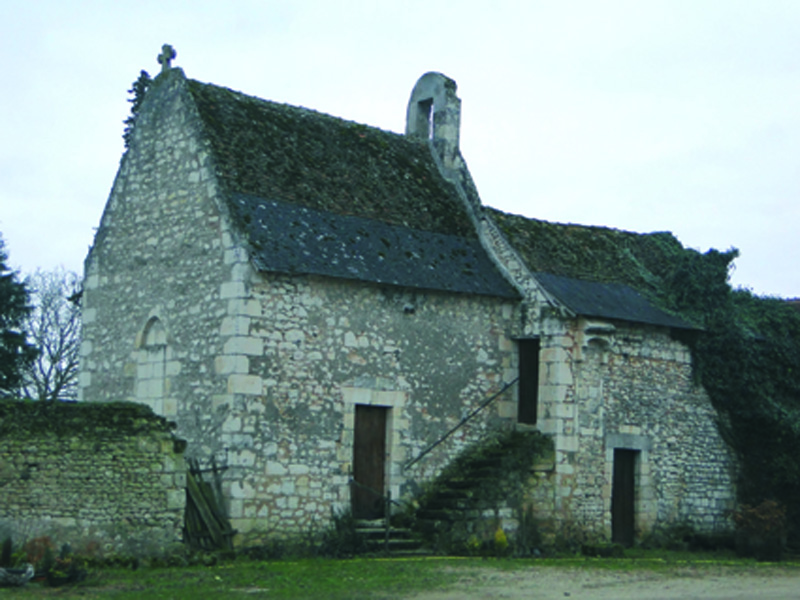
(108, 475)
(153, 296)
(264, 371)
(311, 349)
(606, 386)
(609, 386)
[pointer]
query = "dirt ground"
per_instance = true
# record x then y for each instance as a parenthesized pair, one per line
(550, 583)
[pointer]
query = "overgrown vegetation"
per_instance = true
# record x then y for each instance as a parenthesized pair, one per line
(488, 476)
(290, 154)
(54, 569)
(66, 418)
(341, 538)
(510, 455)
(746, 353)
(137, 91)
(748, 359)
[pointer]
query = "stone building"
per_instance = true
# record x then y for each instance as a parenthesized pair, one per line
(315, 302)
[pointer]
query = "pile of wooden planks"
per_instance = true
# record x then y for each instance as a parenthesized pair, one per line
(206, 523)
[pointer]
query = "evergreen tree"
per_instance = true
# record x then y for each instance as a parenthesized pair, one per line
(138, 90)
(16, 354)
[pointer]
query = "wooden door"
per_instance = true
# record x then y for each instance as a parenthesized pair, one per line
(623, 497)
(369, 462)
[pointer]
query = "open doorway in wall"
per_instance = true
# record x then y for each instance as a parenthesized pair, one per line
(528, 396)
(369, 461)
(623, 496)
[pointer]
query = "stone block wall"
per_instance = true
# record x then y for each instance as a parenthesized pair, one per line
(612, 385)
(108, 476)
(156, 277)
(309, 350)
(623, 386)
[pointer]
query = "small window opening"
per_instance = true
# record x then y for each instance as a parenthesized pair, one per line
(150, 384)
(426, 118)
(528, 397)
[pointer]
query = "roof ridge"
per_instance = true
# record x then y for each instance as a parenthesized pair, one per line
(301, 109)
(579, 225)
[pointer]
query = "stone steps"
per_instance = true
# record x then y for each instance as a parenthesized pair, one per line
(400, 542)
(458, 500)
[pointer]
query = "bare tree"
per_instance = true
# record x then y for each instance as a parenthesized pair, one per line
(54, 328)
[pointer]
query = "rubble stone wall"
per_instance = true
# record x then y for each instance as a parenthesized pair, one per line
(608, 386)
(312, 349)
(110, 478)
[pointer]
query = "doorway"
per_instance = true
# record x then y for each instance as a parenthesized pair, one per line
(369, 461)
(623, 497)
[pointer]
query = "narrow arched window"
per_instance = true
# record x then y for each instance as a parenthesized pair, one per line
(151, 366)
(154, 334)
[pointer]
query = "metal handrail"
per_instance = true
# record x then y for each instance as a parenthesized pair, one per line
(462, 422)
(373, 490)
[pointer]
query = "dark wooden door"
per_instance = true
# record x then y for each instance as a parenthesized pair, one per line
(623, 497)
(369, 456)
(528, 403)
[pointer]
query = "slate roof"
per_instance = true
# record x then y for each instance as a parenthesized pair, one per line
(597, 271)
(607, 300)
(297, 239)
(321, 195)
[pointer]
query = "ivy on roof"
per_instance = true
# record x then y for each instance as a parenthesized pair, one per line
(654, 264)
(280, 152)
(591, 253)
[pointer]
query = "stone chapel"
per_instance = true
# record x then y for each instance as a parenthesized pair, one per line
(315, 302)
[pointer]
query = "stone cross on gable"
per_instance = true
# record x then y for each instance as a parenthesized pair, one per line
(166, 56)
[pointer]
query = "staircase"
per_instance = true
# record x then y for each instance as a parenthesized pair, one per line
(478, 488)
(461, 500)
(396, 543)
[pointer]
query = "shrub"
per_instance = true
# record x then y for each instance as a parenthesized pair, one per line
(761, 530)
(528, 537)
(341, 539)
(500, 542)
(768, 519)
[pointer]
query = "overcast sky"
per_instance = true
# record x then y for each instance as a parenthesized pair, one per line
(641, 115)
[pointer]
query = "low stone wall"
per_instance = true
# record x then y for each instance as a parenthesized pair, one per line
(109, 478)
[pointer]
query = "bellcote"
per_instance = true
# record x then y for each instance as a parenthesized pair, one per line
(434, 113)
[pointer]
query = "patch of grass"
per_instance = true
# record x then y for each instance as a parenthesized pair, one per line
(358, 578)
(303, 579)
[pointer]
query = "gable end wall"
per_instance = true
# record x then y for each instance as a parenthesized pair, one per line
(164, 259)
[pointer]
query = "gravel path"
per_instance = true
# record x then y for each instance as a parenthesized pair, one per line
(547, 583)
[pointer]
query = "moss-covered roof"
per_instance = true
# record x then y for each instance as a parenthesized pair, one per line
(279, 152)
(18, 418)
(598, 271)
(303, 186)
